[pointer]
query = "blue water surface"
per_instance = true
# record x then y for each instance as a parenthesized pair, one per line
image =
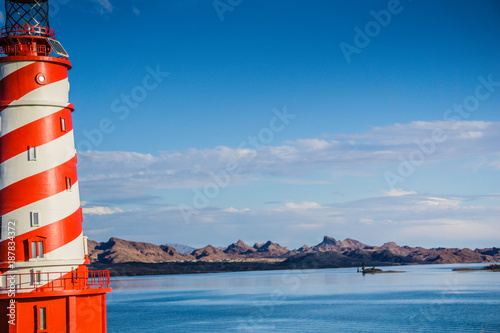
(427, 298)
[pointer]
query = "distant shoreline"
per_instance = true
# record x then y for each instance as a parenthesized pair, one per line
(200, 267)
(489, 268)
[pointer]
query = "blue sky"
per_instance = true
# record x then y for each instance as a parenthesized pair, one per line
(258, 124)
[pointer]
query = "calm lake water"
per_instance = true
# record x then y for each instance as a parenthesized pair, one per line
(429, 298)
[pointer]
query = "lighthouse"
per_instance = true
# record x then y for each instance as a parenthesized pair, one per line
(45, 285)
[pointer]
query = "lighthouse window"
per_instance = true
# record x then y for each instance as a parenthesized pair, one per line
(40, 249)
(38, 276)
(34, 219)
(68, 184)
(31, 153)
(33, 250)
(43, 319)
(63, 124)
(37, 248)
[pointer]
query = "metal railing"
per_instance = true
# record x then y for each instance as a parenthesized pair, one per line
(25, 30)
(40, 50)
(54, 281)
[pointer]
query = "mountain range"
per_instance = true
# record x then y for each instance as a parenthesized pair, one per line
(329, 253)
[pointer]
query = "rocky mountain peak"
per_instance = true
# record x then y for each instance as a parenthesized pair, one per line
(327, 240)
(238, 248)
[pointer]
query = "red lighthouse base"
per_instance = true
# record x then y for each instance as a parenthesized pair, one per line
(65, 305)
(76, 313)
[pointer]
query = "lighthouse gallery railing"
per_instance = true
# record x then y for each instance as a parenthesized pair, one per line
(54, 281)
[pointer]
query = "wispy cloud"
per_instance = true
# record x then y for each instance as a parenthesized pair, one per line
(302, 205)
(396, 192)
(101, 210)
(105, 6)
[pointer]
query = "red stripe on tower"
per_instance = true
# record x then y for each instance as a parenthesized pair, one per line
(36, 133)
(16, 85)
(38, 187)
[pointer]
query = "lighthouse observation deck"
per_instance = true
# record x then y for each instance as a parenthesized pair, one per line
(27, 31)
(54, 281)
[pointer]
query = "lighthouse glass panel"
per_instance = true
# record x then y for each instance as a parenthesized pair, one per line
(23, 12)
(34, 220)
(40, 249)
(43, 318)
(32, 154)
(33, 250)
(63, 124)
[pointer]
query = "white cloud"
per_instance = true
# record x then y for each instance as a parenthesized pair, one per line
(234, 210)
(495, 164)
(471, 135)
(440, 203)
(302, 205)
(101, 210)
(312, 144)
(396, 192)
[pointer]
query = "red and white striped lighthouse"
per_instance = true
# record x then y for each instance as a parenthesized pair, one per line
(44, 282)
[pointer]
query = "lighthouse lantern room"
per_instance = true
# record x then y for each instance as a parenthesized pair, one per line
(45, 285)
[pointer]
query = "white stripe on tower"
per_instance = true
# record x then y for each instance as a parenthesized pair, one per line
(67, 203)
(11, 67)
(45, 160)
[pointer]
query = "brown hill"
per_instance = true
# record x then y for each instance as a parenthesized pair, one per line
(271, 250)
(493, 252)
(445, 256)
(119, 251)
(303, 248)
(239, 248)
(209, 253)
(351, 244)
(331, 244)
(395, 249)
